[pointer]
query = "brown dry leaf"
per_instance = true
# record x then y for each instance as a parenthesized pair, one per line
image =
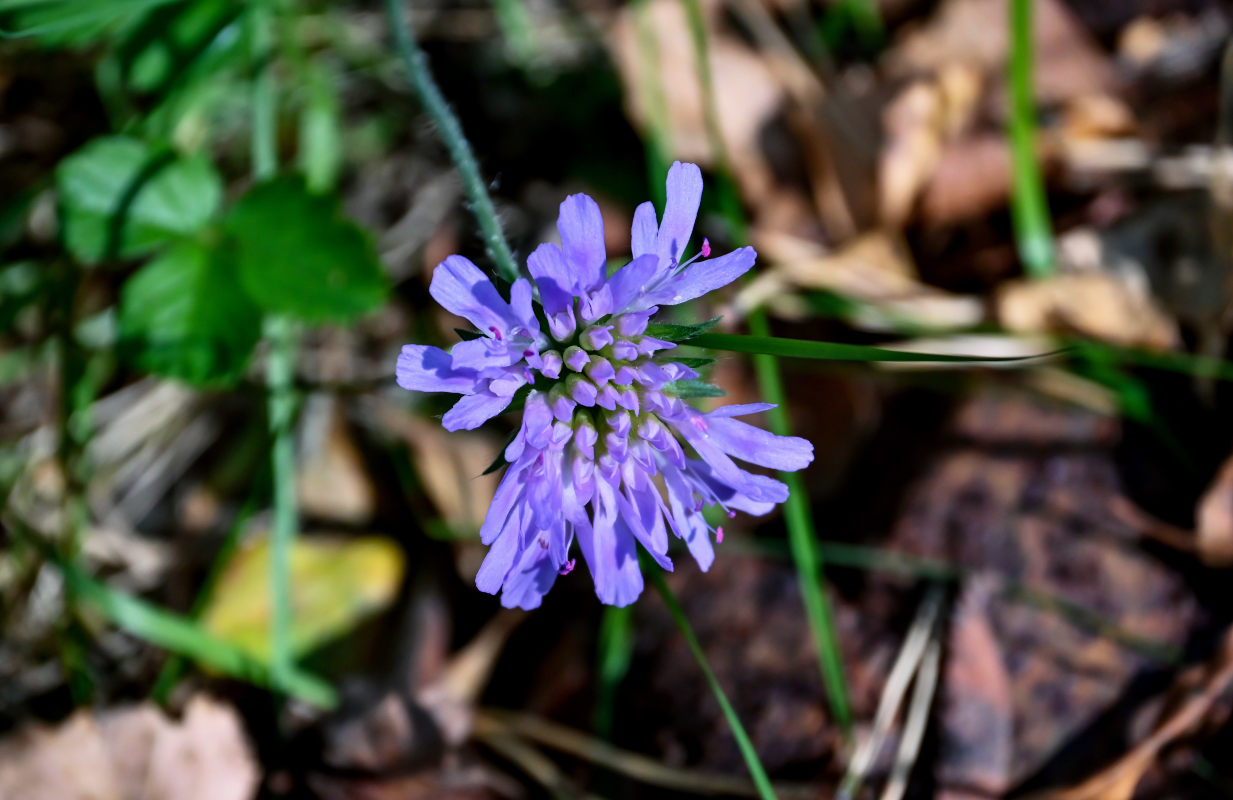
(1098, 305)
(751, 88)
(1200, 687)
(917, 123)
(747, 93)
(1097, 116)
(1067, 62)
(978, 711)
(971, 180)
(333, 483)
(133, 752)
(875, 268)
(1215, 520)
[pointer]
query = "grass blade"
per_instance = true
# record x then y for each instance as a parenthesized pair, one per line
(801, 533)
(616, 647)
(762, 344)
(756, 771)
(1029, 206)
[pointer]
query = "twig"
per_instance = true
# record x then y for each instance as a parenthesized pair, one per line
(632, 765)
(906, 665)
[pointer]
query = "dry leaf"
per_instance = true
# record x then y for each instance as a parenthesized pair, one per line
(333, 483)
(917, 124)
(875, 269)
(1200, 687)
(133, 752)
(1067, 62)
(1098, 305)
(1214, 518)
(334, 584)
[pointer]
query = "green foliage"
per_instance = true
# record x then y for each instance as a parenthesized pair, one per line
(120, 197)
(694, 388)
(298, 255)
(185, 315)
(70, 23)
(320, 153)
(679, 333)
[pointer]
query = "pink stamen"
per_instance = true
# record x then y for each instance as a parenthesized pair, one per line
(719, 535)
(543, 542)
(496, 333)
(731, 515)
(568, 567)
(706, 248)
(528, 353)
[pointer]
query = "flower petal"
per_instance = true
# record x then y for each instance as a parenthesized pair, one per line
(582, 238)
(530, 580)
(629, 281)
(552, 276)
(684, 195)
(645, 229)
(701, 277)
(473, 411)
(430, 369)
(461, 288)
(756, 446)
(610, 552)
(502, 554)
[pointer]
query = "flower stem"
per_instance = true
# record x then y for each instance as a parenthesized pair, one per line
(280, 370)
(1029, 206)
(802, 536)
(426, 89)
(756, 771)
(803, 541)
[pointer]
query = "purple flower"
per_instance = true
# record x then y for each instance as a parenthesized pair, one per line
(608, 454)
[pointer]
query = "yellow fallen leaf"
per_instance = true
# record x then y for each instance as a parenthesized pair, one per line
(335, 583)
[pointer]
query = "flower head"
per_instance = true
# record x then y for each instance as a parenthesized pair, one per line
(608, 454)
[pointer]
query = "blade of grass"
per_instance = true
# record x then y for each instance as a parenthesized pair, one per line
(1029, 206)
(797, 515)
(760, 343)
(803, 541)
(743, 742)
(172, 631)
(173, 669)
(616, 646)
(416, 64)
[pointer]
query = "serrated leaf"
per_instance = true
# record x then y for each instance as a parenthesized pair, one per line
(298, 255)
(121, 198)
(184, 315)
(679, 333)
(335, 584)
(694, 388)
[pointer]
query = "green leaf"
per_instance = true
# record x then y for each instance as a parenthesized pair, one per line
(320, 153)
(833, 351)
(179, 43)
(67, 23)
(679, 333)
(690, 361)
(694, 388)
(121, 198)
(298, 255)
(184, 315)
